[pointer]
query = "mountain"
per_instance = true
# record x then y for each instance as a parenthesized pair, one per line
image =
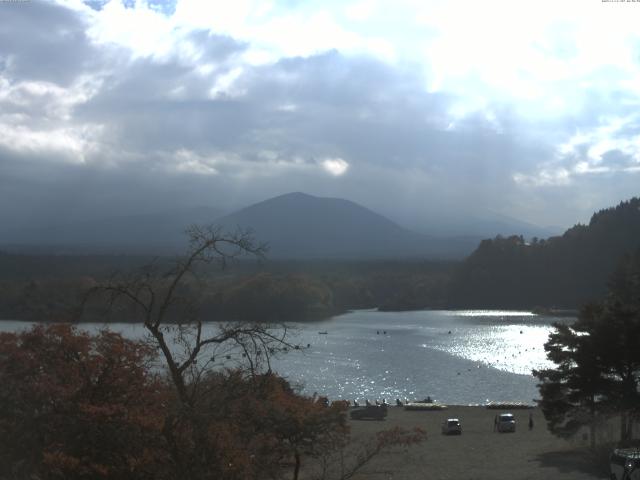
(297, 225)
(563, 271)
(156, 233)
(475, 223)
(490, 224)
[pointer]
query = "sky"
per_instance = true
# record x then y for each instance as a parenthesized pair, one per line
(415, 108)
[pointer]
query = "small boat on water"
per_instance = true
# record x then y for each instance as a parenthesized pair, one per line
(323, 333)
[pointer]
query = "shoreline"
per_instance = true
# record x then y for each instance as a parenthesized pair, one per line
(479, 453)
(318, 317)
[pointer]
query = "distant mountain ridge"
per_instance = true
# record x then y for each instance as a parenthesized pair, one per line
(155, 233)
(298, 225)
(563, 271)
(482, 224)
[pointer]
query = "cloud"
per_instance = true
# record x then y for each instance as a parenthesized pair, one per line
(335, 166)
(43, 41)
(200, 102)
(612, 146)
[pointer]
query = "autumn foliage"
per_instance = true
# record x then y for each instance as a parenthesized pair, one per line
(78, 406)
(253, 426)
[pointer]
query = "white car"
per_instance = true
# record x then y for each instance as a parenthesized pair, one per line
(624, 463)
(506, 422)
(451, 426)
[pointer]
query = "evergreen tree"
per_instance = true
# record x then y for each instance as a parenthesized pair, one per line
(572, 393)
(564, 271)
(597, 361)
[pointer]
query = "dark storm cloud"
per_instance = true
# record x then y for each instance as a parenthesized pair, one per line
(618, 160)
(379, 119)
(325, 105)
(155, 132)
(151, 105)
(43, 41)
(34, 192)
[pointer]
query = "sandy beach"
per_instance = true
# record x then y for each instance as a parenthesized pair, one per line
(479, 453)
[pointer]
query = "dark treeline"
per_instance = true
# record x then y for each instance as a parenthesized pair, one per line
(44, 286)
(15, 267)
(564, 271)
(52, 287)
(384, 284)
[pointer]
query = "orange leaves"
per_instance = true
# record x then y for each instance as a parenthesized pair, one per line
(78, 406)
(255, 425)
(74, 405)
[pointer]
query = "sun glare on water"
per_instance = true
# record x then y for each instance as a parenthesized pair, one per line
(491, 313)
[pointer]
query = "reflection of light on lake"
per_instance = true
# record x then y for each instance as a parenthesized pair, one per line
(456, 357)
(511, 348)
(490, 313)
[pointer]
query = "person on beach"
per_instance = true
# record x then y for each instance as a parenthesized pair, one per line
(495, 422)
(530, 421)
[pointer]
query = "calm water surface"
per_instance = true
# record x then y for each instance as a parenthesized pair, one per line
(461, 357)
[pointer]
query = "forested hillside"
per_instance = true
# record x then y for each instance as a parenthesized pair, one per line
(563, 271)
(52, 287)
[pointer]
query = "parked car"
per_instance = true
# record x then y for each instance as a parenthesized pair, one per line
(506, 423)
(451, 426)
(624, 463)
(374, 412)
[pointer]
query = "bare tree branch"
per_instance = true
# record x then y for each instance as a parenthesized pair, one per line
(156, 297)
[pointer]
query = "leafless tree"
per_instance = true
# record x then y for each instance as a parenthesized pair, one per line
(191, 350)
(159, 301)
(162, 302)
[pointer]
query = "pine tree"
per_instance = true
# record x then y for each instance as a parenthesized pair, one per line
(597, 361)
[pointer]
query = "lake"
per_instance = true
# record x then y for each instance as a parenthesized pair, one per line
(457, 357)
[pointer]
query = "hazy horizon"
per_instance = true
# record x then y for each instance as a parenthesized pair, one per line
(295, 225)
